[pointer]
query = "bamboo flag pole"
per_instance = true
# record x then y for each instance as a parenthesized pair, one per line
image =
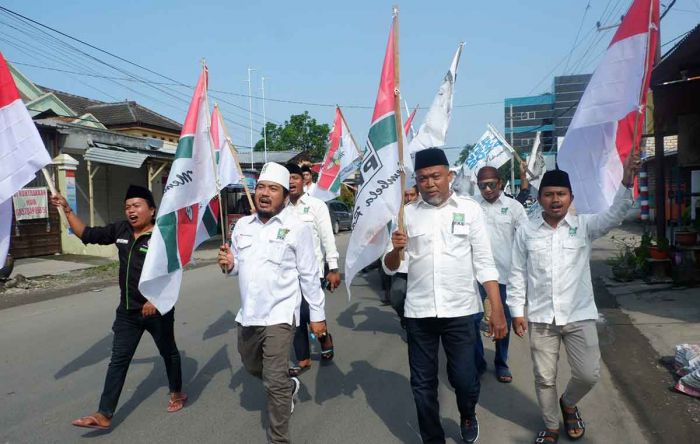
(357, 147)
(651, 27)
(234, 152)
(52, 188)
(398, 119)
(213, 161)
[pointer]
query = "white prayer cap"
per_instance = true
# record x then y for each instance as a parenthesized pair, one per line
(274, 172)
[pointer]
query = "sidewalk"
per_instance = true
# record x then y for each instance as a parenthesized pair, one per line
(641, 324)
(53, 265)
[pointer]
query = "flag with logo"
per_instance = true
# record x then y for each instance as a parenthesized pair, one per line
(22, 153)
(433, 131)
(378, 200)
(608, 121)
(341, 160)
(228, 167)
(191, 182)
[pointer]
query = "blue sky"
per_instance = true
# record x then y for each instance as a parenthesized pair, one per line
(323, 52)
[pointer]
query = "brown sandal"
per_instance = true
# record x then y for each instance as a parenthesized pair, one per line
(177, 404)
(90, 422)
(572, 421)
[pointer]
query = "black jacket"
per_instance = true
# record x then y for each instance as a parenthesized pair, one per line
(132, 254)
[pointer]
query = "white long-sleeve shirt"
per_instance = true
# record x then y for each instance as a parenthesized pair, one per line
(448, 248)
(551, 273)
(315, 213)
(276, 264)
(503, 217)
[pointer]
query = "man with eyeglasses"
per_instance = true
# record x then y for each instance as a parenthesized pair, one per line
(503, 216)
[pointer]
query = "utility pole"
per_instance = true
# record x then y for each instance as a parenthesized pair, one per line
(264, 118)
(512, 159)
(250, 116)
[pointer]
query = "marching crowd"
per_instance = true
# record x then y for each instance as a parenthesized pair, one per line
(451, 254)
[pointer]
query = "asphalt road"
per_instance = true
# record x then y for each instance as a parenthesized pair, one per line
(54, 355)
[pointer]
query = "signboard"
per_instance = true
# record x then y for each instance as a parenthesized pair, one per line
(31, 203)
(250, 178)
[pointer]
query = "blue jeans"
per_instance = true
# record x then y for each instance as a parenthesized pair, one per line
(458, 337)
(501, 360)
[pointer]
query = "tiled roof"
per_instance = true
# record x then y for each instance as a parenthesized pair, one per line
(117, 114)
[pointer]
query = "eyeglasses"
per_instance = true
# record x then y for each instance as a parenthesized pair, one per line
(489, 185)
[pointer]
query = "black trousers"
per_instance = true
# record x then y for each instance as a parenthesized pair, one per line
(128, 328)
(302, 348)
(458, 336)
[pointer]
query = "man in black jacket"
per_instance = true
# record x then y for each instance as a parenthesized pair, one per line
(135, 314)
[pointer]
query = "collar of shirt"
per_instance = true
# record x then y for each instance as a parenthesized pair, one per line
(281, 217)
(569, 219)
(499, 200)
(450, 201)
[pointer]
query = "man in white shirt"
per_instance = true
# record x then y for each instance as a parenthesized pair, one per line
(314, 213)
(399, 278)
(551, 275)
(308, 176)
(273, 255)
(447, 249)
(503, 217)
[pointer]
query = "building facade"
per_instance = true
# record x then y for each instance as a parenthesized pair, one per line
(550, 113)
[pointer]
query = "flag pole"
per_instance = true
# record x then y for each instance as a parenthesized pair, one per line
(636, 144)
(398, 119)
(213, 161)
(342, 117)
(52, 188)
(234, 152)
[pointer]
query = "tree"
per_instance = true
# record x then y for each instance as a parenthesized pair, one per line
(300, 133)
(464, 154)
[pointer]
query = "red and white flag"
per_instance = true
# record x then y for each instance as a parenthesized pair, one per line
(601, 133)
(22, 153)
(186, 200)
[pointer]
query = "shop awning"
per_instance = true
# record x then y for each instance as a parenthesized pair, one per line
(115, 157)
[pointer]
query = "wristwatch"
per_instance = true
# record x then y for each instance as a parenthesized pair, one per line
(333, 270)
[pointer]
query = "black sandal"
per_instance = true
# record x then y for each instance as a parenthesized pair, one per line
(572, 421)
(296, 370)
(326, 342)
(543, 437)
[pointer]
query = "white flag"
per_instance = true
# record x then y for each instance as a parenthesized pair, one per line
(433, 130)
(22, 153)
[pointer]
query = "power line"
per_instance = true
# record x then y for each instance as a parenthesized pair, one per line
(578, 33)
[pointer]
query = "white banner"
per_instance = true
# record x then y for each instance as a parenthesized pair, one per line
(31, 203)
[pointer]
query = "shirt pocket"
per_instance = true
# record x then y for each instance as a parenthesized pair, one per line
(538, 253)
(572, 249)
(275, 251)
(243, 243)
(418, 240)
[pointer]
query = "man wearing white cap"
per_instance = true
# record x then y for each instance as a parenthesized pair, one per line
(272, 252)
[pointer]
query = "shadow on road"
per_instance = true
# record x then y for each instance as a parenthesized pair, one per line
(98, 352)
(221, 326)
(147, 387)
(217, 363)
(389, 396)
(375, 320)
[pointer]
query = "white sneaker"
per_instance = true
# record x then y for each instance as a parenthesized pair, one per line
(295, 391)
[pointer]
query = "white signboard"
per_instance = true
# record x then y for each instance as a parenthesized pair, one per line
(31, 203)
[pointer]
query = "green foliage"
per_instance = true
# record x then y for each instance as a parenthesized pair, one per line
(301, 133)
(347, 197)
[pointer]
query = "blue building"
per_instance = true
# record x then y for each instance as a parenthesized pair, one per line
(550, 113)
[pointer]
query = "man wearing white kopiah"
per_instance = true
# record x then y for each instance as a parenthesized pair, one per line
(551, 275)
(272, 252)
(447, 248)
